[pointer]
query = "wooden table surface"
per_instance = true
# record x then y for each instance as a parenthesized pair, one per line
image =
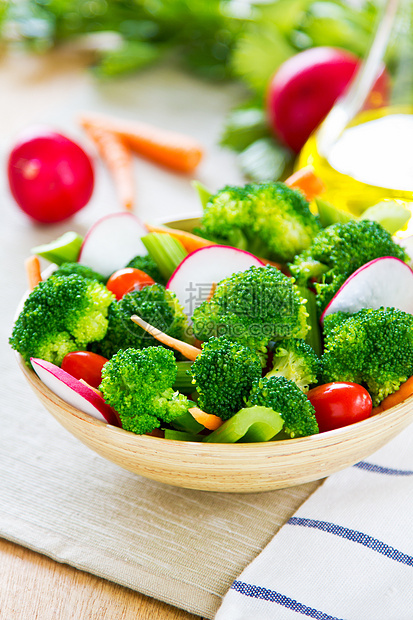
(31, 585)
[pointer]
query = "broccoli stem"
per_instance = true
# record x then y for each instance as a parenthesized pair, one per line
(183, 382)
(166, 251)
(313, 337)
(249, 425)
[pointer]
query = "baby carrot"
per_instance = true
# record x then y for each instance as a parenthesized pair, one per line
(171, 149)
(404, 391)
(118, 159)
(34, 276)
(186, 349)
(190, 241)
(307, 182)
(209, 420)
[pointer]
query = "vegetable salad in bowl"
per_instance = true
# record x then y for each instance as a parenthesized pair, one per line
(262, 324)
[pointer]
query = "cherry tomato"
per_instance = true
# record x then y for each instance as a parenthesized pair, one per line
(85, 365)
(126, 280)
(339, 404)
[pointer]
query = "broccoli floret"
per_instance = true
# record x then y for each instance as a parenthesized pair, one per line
(370, 347)
(338, 251)
(68, 269)
(285, 397)
(138, 385)
(155, 305)
(268, 219)
(295, 359)
(253, 307)
(148, 265)
(62, 314)
(223, 376)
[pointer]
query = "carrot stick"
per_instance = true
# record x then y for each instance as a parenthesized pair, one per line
(212, 291)
(209, 420)
(118, 159)
(193, 242)
(32, 265)
(307, 182)
(183, 347)
(173, 150)
(404, 391)
(190, 241)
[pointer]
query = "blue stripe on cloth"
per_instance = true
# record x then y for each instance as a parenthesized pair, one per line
(355, 536)
(378, 469)
(275, 597)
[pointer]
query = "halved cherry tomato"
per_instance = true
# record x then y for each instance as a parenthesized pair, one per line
(339, 404)
(126, 280)
(85, 365)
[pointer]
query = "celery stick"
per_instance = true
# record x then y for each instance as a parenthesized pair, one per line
(313, 337)
(180, 435)
(187, 423)
(183, 382)
(166, 251)
(251, 424)
(203, 193)
(65, 249)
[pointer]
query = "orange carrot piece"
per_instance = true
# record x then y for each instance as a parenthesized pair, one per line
(118, 159)
(404, 391)
(209, 420)
(34, 276)
(212, 291)
(173, 150)
(305, 180)
(190, 241)
(186, 349)
(98, 392)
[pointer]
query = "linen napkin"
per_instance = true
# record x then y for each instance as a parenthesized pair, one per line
(346, 554)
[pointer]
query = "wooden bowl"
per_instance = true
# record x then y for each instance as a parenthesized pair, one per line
(233, 468)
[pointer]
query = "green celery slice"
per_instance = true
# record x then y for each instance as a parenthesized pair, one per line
(166, 251)
(252, 424)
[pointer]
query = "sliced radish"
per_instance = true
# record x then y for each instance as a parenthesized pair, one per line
(74, 392)
(112, 242)
(192, 280)
(383, 282)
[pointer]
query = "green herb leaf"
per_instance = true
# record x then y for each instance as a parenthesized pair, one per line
(264, 160)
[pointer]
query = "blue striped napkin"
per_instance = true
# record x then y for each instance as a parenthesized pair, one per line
(347, 554)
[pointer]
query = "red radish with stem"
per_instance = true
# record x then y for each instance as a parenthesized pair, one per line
(50, 176)
(305, 88)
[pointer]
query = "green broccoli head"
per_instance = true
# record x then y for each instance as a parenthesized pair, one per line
(285, 397)
(62, 314)
(268, 219)
(155, 305)
(138, 385)
(370, 347)
(296, 360)
(338, 251)
(223, 376)
(253, 307)
(148, 265)
(68, 269)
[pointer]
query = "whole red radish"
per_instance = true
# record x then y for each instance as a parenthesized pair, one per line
(304, 89)
(50, 176)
